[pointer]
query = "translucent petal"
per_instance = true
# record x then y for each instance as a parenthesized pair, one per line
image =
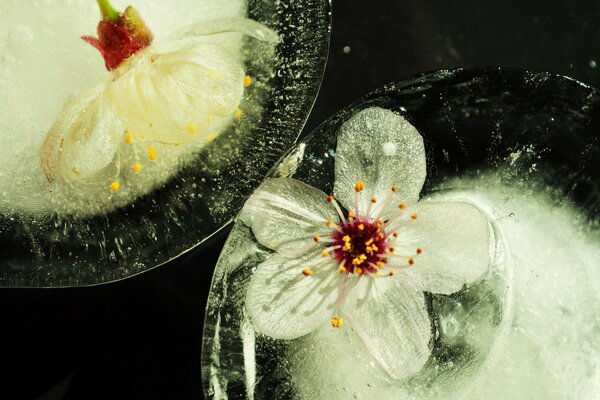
(283, 303)
(242, 25)
(390, 317)
(382, 149)
(160, 94)
(455, 240)
(285, 214)
(82, 140)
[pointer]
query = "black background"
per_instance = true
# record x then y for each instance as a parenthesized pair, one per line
(141, 338)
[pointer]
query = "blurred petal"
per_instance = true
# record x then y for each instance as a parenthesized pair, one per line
(284, 304)
(382, 149)
(455, 240)
(390, 317)
(285, 214)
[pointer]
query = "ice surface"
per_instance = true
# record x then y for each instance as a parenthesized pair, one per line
(524, 148)
(45, 63)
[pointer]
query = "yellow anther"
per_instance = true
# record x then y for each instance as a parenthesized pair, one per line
(329, 223)
(337, 322)
(325, 253)
(316, 238)
(402, 206)
(413, 216)
(346, 238)
(347, 246)
(381, 235)
(361, 227)
(351, 214)
(239, 113)
(391, 249)
(358, 271)
(307, 272)
(137, 167)
(419, 251)
(395, 234)
(373, 200)
(192, 127)
(115, 186)
(342, 269)
(359, 187)
(152, 154)
(368, 242)
(394, 188)
(380, 264)
(129, 138)
(411, 261)
(212, 137)
(330, 198)
(247, 81)
(392, 273)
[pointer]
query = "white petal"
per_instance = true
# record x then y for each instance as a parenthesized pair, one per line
(390, 317)
(455, 240)
(83, 139)
(160, 94)
(244, 26)
(382, 149)
(284, 304)
(285, 214)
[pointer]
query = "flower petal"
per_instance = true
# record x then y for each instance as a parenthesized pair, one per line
(382, 149)
(83, 139)
(284, 304)
(455, 240)
(285, 214)
(161, 93)
(390, 317)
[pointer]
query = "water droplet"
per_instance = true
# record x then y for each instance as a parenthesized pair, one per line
(389, 149)
(593, 64)
(346, 49)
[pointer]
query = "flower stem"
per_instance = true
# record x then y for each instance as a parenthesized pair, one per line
(109, 13)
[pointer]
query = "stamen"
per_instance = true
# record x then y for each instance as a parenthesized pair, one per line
(419, 251)
(247, 81)
(337, 322)
(307, 272)
(115, 186)
(361, 227)
(411, 261)
(152, 154)
(392, 273)
(137, 168)
(413, 216)
(402, 206)
(129, 138)
(332, 200)
(359, 187)
(239, 113)
(394, 188)
(192, 127)
(316, 238)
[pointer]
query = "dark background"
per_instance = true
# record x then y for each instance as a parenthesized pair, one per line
(141, 338)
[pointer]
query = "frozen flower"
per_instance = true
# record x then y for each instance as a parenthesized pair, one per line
(184, 89)
(363, 257)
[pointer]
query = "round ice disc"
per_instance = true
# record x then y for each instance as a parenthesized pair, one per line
(438, 238)
(88, 206)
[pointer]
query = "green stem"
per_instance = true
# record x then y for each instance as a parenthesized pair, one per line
(108, 11)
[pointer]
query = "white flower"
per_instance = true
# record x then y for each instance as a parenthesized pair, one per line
(185, 89)
(368, 266)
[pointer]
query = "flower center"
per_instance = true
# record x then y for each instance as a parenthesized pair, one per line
(361, 245)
